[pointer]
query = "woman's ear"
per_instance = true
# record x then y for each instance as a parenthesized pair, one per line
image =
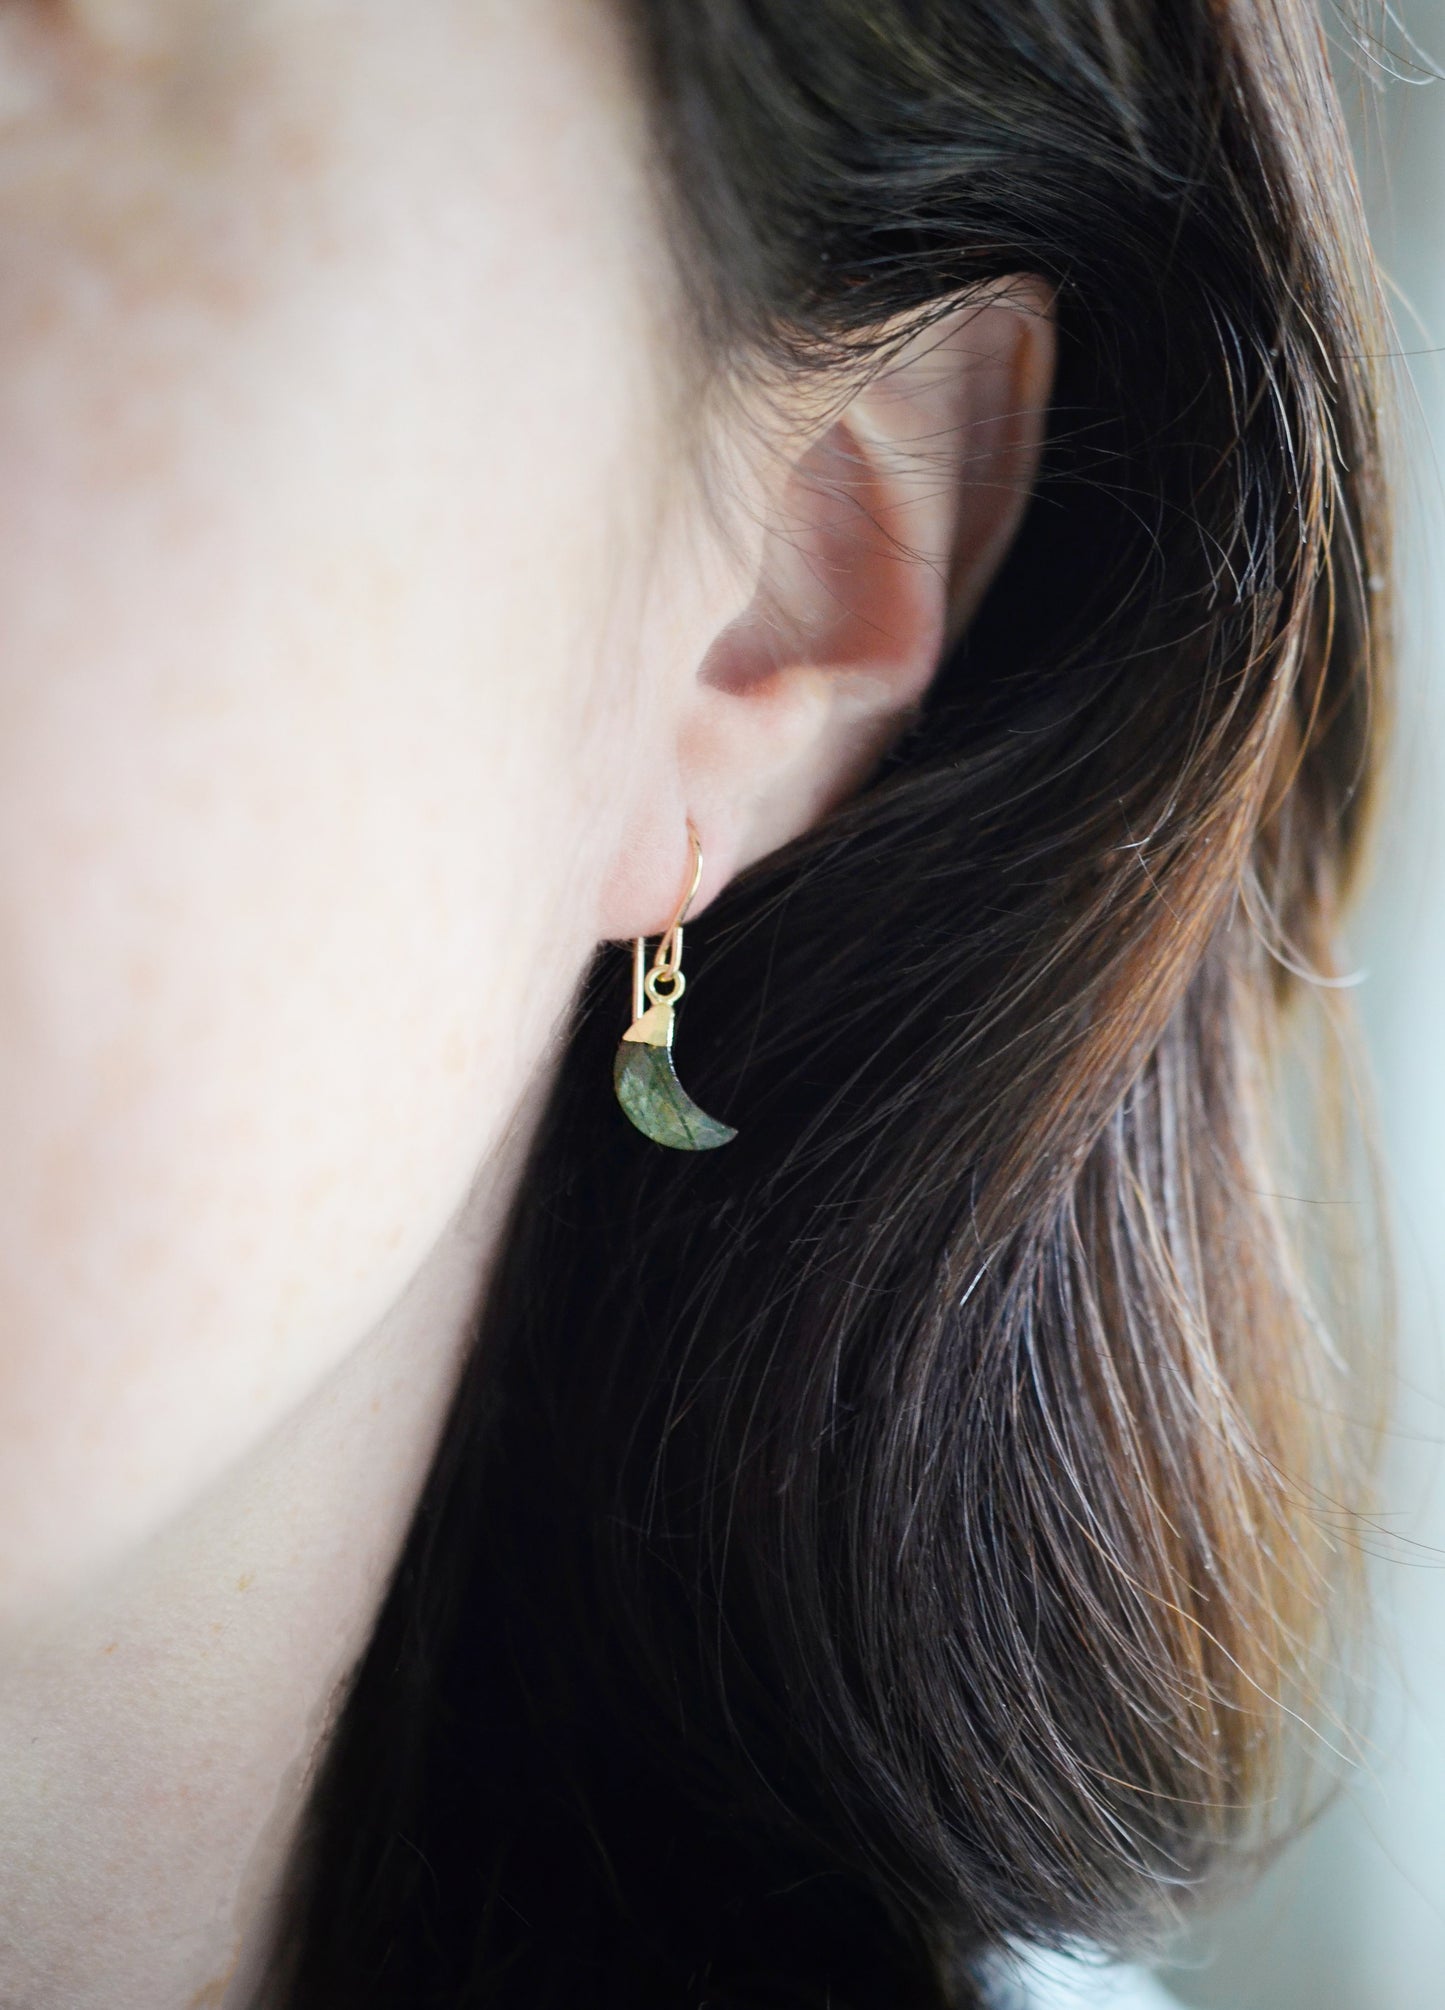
(881, 526)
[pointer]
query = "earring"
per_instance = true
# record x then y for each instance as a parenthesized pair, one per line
(643, 1075)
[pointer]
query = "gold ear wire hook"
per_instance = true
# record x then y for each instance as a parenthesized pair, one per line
(642, 1073)
(669, 949)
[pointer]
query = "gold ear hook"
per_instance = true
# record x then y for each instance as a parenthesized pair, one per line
(668, 955)
(669, 949)
(643, 1074)
(670, 945)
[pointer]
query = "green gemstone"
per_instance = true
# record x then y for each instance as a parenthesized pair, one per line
(656, 1102)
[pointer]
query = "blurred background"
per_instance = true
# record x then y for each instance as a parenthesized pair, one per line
(1353, 1918)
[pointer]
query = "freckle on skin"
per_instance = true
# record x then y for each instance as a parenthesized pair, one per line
(143, 977)
(213, 1993)
(318, 1189)
(246, 1580)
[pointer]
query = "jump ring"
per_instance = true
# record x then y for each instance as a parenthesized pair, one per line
(676, 984)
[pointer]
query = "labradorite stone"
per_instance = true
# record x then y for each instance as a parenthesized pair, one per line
(654, 1099)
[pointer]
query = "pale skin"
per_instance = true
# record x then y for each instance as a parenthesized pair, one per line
(367, 646)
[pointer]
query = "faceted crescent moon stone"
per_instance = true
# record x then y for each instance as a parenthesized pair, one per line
(656, 1102)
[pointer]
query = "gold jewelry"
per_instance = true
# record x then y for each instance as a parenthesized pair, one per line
(643, 1075)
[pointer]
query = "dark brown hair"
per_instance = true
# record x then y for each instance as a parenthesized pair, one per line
(900, 1531)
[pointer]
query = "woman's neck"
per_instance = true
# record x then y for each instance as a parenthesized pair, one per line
(159, 1735)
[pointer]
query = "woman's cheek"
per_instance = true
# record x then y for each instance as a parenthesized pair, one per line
(305, 731)
(255, 1038)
